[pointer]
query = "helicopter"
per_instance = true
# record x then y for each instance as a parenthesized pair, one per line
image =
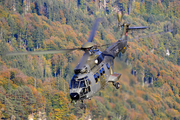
(96, 68)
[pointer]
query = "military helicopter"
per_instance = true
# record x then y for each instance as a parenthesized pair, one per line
(95, 69)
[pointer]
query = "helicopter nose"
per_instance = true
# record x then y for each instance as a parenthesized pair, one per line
(74, 96)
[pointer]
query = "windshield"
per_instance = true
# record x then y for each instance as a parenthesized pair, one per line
(78, 83)
(82, 84)
(74, 83)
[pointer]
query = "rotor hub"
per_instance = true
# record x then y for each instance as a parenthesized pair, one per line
(87, 45)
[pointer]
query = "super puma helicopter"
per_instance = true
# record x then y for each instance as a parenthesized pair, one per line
(95, 69)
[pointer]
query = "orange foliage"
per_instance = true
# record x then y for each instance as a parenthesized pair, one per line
(172, 112)
(140, 93)
(169, 93)
(100, 99)
(63, 19)
(140, 109)
(112, 105)
(157, 97)
(170, 81)
(143, 59)
(133, 114)
(111, 38)
(137, 7)
(5, 74)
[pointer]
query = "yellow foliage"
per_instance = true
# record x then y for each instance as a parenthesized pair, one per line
(14, 86)
(111, 38)
(97, 13)
(157, 97)
(139, 49)
(169, 93)
(172, 112)
(137, 7)
(1, 83)
(3, 13)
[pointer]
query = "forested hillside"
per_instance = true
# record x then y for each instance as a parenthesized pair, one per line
(37, 86)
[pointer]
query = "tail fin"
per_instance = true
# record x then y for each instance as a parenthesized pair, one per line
(126, 28)
(125, 25)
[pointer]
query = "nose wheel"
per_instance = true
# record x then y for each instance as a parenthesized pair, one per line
(117, 85)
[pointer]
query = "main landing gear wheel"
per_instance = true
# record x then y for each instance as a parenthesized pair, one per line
(117, 85)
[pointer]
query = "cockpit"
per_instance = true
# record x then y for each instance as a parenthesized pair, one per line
(79, 83)
(79, 87)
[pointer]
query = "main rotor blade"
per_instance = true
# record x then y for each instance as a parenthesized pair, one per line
(93, 31)
(42, 52)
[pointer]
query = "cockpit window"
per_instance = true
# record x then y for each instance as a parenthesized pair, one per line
(74, 84)
(82, 84)
(89, 81)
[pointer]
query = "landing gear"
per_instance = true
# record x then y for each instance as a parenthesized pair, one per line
(73, 102)
(117, 85)
(83, 106)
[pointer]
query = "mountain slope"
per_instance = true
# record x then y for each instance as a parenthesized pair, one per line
(37, 86)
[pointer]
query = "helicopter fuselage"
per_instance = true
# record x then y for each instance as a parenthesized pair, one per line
(95, 71)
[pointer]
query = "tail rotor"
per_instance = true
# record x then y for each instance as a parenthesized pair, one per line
(119, 17)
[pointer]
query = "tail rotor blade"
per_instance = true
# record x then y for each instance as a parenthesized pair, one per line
(119, 17)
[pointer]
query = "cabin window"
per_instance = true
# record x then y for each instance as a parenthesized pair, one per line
(89, 89)
(95, 77)
(111, 62)
(107, 65)
(103, 70)
(100, 71)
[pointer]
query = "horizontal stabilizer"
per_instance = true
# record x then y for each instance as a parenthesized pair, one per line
(137, 28)
(114, 77)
